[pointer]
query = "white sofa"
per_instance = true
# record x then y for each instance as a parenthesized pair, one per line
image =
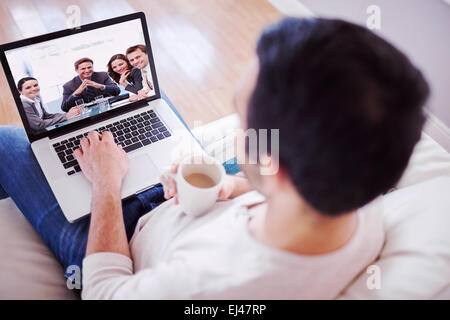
(414, 263)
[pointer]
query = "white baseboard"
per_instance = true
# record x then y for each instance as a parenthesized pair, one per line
(437, 130)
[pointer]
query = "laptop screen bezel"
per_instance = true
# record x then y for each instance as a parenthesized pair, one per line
(32, 136)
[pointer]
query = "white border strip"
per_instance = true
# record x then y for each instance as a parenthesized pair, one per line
(436, 129)
(292, 8)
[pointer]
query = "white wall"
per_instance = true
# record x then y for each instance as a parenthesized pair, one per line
(420, 28)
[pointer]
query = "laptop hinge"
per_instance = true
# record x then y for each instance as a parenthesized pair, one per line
(145, 189)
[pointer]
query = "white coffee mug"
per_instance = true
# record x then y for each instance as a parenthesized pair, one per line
(196, 200)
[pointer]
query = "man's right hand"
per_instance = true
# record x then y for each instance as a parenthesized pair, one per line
(143, 93)
(81, 88)
(103, 162)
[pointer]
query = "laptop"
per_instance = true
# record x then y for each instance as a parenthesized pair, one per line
(149, 130)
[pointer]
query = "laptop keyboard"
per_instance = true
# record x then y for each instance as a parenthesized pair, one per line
(131, 133)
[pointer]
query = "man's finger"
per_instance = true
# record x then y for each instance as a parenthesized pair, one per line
(174, 167)
(121, 148)
(172, 187)
(107, 136)
(94, 137)
(225, 193)
(78, 153)
(222, 194)
(85, 145)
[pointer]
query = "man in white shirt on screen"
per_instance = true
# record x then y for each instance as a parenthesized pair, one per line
(137, 55)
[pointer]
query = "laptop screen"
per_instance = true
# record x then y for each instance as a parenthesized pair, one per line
(81, 75)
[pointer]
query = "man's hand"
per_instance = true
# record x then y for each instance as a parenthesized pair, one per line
(94, 84)
(102, 161)
(74, 111)
(134, 98)
(81, 88)
(228, 190)
(143, 93)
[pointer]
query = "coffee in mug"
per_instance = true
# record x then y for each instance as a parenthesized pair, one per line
(200, 180)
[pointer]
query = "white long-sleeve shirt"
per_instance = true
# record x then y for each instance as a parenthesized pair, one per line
(147, 79)
(176, 256)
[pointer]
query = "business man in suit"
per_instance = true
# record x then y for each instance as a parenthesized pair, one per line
(38, 117)
(137, 55)
(87, 85)
(134, 81)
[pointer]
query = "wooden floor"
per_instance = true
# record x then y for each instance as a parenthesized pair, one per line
(201, 47)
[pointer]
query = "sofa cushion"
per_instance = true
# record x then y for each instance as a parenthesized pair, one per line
(429, 160)
(415, 260)
(28, 270)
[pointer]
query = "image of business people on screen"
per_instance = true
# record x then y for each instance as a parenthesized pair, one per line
(123, 73)
(87, 85)
(37, 115)
(137, 55)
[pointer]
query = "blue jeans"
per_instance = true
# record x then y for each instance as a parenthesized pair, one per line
(22, 179)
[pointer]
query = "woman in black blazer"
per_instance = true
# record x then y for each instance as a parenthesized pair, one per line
(121, 71)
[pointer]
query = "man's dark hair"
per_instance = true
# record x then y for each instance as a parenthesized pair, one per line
(137, 47)
(22, 81)
(80, 61)
(348, 105)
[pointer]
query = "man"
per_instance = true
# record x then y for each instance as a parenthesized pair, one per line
(137, 55)
(87, 85)
(339, 94)
(38, 117)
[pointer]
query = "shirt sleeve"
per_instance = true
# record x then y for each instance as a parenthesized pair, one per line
(37, 123)
(111, 87)
(68, 99)
(109, 275)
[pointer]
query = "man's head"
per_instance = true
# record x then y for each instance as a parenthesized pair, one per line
(348, 106)
(137, 55)
(84, 67)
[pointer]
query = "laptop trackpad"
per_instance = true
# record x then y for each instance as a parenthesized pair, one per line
(141, 173)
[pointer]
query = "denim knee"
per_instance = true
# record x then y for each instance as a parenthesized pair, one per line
(10, 136)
